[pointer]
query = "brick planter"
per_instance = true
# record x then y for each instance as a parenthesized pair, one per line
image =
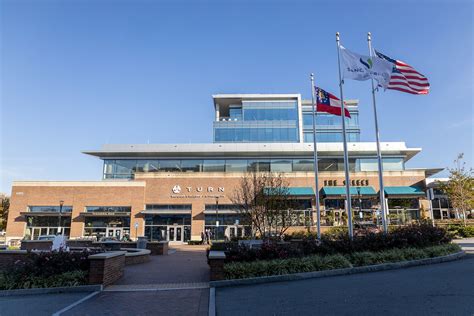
(158, 247)
(106, 268)
(36, 245)
(216, 261)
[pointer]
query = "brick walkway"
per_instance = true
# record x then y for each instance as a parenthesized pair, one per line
(187, 264)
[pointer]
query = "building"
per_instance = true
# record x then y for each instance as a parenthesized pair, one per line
(175, 191)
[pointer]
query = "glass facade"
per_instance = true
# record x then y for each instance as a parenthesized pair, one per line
(114, 226)
(170, 227)
(248, 165)
(46, 225)
(259, 121)
(331, 136)
(329, 127)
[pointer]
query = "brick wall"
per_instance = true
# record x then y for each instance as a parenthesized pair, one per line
(158, 248)
(8, 257)
(216, 261)
(106, 268)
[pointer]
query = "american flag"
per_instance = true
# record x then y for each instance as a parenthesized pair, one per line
(405, 78)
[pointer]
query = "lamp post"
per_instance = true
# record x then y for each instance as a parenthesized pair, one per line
(360, 202)
(217, 216)
(61, 203)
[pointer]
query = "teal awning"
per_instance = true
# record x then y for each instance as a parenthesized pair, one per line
(293, 191)
(341, 191)
(403, 190)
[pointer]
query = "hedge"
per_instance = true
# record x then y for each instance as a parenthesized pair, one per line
(259, 268)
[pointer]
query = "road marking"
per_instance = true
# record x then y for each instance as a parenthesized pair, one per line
(76, 303)
(212, 301)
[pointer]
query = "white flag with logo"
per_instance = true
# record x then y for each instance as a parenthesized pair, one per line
(361, 67)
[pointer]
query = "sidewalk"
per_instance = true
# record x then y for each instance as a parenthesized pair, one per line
(184, 264)
(467, 244)
(174, 284)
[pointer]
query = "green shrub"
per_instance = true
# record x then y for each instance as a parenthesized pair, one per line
(47, 269)
(259, 268)
(396, 255)
(459, 230)
(71, 278)
(239, 270)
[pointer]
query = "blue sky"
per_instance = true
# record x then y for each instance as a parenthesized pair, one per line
(77, 74)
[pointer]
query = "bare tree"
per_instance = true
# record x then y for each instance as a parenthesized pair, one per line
(460, 187)
(4, 207)
(264, 198)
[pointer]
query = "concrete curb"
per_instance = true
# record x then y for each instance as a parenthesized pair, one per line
(50, 290)
(336, 272)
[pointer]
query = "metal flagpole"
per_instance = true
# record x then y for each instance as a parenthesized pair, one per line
(346, 159)
(315, 157)
(379, 154)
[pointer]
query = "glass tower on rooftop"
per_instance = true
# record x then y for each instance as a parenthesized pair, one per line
(282, 118)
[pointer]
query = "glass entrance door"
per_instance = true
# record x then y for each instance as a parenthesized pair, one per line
(175, 233)
(114, 233)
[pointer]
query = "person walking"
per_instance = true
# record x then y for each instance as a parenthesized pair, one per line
(203, 237)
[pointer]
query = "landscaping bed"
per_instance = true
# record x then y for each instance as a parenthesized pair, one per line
(259, 268)
(46, 269)
(335, 250)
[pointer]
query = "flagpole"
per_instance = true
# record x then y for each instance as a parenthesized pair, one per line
(346, 159)
(379, 154)
(315, 164)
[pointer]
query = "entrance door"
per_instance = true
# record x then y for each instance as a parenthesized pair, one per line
(175, 233)
(235, 231)
(114, 233)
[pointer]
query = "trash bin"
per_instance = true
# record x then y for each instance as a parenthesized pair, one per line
(141, 243)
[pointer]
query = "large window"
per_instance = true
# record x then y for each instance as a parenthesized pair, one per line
(256, 134)
(247, 165)
(46, 225)
(326, 120)
(169, 207)
(64, 209)
(108, 209)
(331, 137)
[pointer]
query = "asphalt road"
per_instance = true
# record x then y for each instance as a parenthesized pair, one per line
(439, 289)
(37, 305)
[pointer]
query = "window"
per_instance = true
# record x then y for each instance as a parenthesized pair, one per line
(236, 165)
(170, 165)
(303, 165)
(108, 209)
(281, 165)
(213, 166)
(191, 165)
(235, 112)
(64, 209)
(167, 219)
(165, 207)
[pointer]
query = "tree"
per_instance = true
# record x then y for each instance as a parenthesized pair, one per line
(264, 199)
(460, 187)
(4, 207)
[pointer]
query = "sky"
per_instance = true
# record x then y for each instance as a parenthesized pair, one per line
(78, 74)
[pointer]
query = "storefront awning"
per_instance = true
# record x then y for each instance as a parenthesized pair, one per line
(354, 191)
(404, 190)
(45, 214)
(166, 212)
(294, 191)
(105, 214)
